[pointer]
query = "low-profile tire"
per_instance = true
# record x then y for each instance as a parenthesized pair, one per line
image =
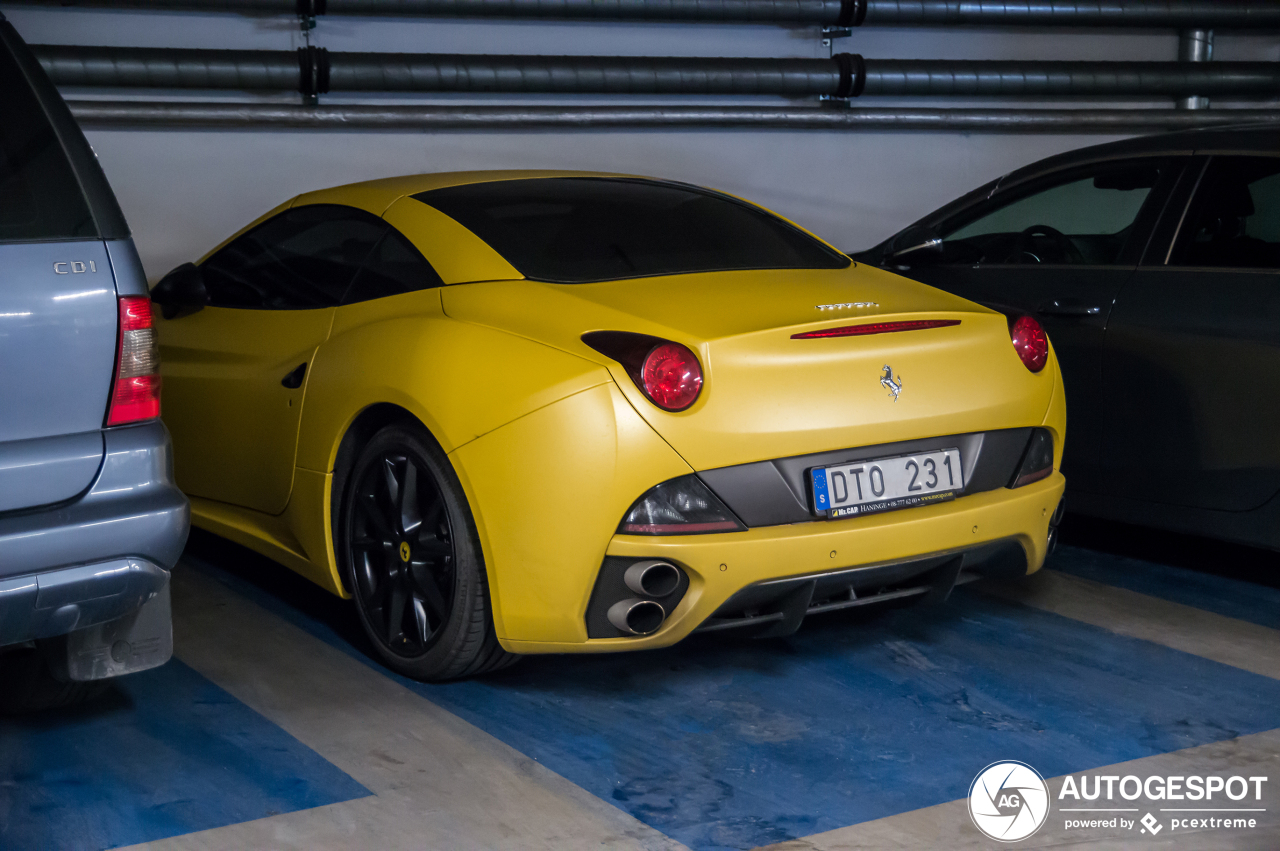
(28, 685)
(407, 544)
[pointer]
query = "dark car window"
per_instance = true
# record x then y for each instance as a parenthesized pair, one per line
(306, 257)
(578, 230)
(394, 267)
(1234, 220)
(40, 197)
(1083, 218)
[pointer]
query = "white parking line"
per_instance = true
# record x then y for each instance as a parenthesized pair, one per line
(1212, 636)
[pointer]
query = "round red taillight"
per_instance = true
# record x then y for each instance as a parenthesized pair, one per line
(671, 376)
(1030, 342)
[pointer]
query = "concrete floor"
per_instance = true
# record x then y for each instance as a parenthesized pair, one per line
(273, 729)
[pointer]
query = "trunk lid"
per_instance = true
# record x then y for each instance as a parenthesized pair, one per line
(58, 342)
(767, 395)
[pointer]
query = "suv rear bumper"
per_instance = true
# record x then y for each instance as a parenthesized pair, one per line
(46, 605)
(102, 555)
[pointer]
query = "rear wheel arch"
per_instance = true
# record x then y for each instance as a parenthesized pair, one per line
(366, 424)
(363, 427)
(465, 642)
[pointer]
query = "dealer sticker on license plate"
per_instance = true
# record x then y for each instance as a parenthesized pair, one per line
(885, 484)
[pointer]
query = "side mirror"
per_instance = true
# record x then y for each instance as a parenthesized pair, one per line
(915, 244)
(181, 292)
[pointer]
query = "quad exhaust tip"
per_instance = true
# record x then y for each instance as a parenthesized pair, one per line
(652, 578)
(637, 617)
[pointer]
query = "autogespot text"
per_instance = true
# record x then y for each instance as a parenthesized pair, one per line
(1185, 803)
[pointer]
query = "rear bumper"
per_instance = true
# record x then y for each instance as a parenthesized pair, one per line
(101, 556)
(980, 528)
(56, 602)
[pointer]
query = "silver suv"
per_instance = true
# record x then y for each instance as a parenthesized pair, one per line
(91, 522)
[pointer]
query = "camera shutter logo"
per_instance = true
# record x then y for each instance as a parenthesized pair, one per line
(1008, 801)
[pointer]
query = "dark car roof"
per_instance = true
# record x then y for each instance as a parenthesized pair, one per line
(1257, 138)
(1243, 138)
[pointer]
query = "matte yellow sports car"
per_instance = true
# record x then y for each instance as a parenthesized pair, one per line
(534, 412)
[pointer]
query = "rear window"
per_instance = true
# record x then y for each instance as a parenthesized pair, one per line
(580, 230)
(40, 198)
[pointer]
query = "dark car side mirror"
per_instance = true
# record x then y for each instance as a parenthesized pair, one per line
(915, 245)
(181, 292)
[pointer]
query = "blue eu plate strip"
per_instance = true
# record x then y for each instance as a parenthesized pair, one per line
(820, 500)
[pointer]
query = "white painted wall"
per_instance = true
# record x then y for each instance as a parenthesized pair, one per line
(184, 191)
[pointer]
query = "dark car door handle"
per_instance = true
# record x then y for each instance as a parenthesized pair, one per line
(1057, 308)
(294, 379)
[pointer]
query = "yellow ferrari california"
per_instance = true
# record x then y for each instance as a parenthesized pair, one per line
(535, 412)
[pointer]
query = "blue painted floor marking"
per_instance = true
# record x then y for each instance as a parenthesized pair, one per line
(165, 753)
(733, 744)
(1246, 601)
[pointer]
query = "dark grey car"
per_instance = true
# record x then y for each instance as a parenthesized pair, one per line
(91, 522)
(1154, 265)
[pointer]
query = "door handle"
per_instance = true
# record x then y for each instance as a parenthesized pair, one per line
(294, 379)
(1058, 308)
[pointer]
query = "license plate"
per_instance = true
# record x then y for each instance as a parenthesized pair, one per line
(885, 484)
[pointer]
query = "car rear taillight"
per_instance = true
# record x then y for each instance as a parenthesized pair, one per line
(683, 506)
(135, 393)
(668, 373)
(1030, 342)
(876, 328)
(1037, 460)
(671, 377)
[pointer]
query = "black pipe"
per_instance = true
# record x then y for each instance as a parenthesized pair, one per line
(715, 11)
(1000, 78)
(308, 70)
(582, 74)
(261, 116)
(1162, 14)
(168, 68)
(1178, 14)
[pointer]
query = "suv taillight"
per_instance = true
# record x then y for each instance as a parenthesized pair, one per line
(135, 393)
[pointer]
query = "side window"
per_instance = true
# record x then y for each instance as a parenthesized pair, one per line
(1234, 220)
(40, 197)
(1082, 219)
(394, 267)
(302, 258)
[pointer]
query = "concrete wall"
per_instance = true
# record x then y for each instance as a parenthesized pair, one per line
(184, 191)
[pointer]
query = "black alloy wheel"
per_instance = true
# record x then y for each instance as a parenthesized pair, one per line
(408, 549)
(401, 550)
